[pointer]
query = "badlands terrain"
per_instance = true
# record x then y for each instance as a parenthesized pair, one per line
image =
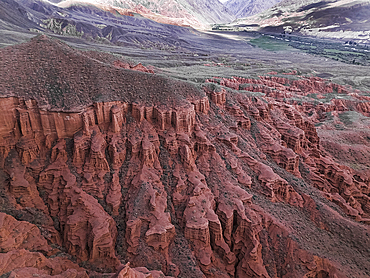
(133, 148)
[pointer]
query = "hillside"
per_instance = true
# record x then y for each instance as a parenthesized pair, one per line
(341, 19)
(196, 13)
(242, 8)
(27, 18)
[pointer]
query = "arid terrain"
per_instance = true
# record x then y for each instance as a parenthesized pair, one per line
(333, 19)
(181, 154)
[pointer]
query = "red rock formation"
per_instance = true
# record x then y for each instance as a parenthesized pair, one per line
(20, 235)
(138, 272)
(157, 176)
(298, 133)
(210, 232)
(217, 97)
(22, 263)
(286, 158)
(24, 192)
(88, 231)
(203, 228)
(114, 196)
(29, 272)
(95, 166)
(138, 67)
(323, 268)
(148, 199)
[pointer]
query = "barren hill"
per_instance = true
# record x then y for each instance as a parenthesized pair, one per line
(64, 79)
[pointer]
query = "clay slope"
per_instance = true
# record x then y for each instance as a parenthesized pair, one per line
(224, 179)
(52, 72)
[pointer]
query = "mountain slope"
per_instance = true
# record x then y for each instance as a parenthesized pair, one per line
(341, 19)
(244, 8)
(94, 24)
(14, 14)
(199, 13)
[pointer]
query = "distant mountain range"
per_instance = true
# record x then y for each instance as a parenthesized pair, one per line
(107, 20)
(200, 14)
(196, 13)
(244, 8)
(89, 22)
(341, 19)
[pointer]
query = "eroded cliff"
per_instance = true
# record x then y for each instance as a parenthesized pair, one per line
(208, 181)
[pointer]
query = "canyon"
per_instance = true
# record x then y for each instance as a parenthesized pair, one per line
(111, 169)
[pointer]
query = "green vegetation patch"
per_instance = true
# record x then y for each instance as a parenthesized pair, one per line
(335, 51)
(270, 44)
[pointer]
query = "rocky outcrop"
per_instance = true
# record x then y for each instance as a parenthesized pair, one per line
(217, 95)
(323, 267)
(214, 182)
(114, 196)
(203, 228)
(296, 134)
(148, 222)
(218, 226)
(138, 272)
(20, 235)
(23, 263)
(21, 186)
(138, 67)
(286, 158)
(347, 192)
(89, 233)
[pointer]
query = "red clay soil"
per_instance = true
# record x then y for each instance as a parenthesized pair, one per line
(64, 79)
(110, 172)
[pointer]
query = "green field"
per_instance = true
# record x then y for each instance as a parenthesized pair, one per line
(270, 44)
